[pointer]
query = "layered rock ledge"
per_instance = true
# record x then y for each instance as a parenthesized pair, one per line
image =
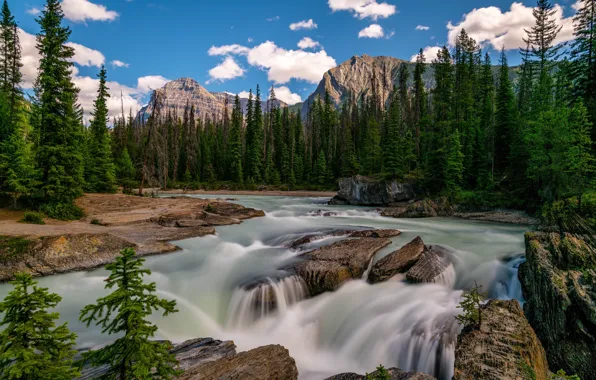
(364, 191)
(394, 374)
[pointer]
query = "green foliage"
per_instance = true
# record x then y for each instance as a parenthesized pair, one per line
(31, 217)
(471, 306)
(31, 345)
(454, 165)
(562, 375)
(235, 143)
(380, 374)
(13, 248)
(62, 211)
(124, 312)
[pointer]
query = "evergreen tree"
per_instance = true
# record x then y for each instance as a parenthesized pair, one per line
(372, 147)
(419, 98)
(59, 148)
(124, 312)
(454, 165)
(505, 120)
(257, 139)
(10, 69)
(235, 142)
(393, 165)
(581, 164)
(31, 345)
(541, 37)
(125, 170)
(321, 169)
(100, 174)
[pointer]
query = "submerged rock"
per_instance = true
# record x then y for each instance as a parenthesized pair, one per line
(505, 347)
(394, 374)
(426, 208)
(434, 266)
(559, 283)
(380, 233)
(327, 268)
(264, 363)
(364, 191)
(397, 262)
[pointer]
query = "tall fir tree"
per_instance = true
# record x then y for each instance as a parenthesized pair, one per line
(100, 175)
(581, 163)
(124, 312)
(505, 120)
(31, 345)
(235, 141)
(10, 70)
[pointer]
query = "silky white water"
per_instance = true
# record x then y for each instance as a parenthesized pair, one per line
(353, 329)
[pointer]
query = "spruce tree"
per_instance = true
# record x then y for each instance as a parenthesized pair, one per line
(10, 68)
(542, 36)
(454, 165)
(100, 174)
(393, 165)
(419, 98)
(505, 120)
(124, 312)
(321, 169)
(235, 141)
(581, 164)
(31, 345)
(59, 151)
(256, 159)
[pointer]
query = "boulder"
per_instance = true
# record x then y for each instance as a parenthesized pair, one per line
(434, 266)
(364, 191)
(394, 374)
(377, 234)
(559, 283)
(327, 268)
(381, 233)
(397, 262)
(505, 347)
(264, 363)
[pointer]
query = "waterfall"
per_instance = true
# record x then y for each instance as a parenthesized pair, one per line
(249, 306)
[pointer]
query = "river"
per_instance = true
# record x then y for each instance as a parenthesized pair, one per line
(353, 329)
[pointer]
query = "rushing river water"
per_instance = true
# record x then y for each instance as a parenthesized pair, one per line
(353, 329)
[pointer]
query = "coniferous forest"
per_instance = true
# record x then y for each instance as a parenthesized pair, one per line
(525, 134)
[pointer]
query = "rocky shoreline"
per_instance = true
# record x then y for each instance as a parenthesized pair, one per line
(113, 222)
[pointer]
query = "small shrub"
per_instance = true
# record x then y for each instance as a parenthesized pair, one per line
(210, 208)
(562, 375)
(31, 217)
(62, 211)
(12, 248)
(380, 374)
(96, 222)
(472, 308)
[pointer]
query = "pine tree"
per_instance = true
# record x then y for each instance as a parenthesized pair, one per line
(505, 120)
(393, 165)
(256, 159)
(10, 68)
(581, 164)
(58, 155)
(235, 141)
(125, 170)
(542, 36)
(454, 165)
(321, 168)
(31, 345)
(100, 175)
(124, 312)
(419, 98)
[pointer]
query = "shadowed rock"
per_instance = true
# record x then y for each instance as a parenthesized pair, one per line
(394, 374)
(433, 267)
(381, 233)
(363, 191)
(505, 347)
(397, 262)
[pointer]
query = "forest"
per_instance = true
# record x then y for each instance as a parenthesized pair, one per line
(485, 135)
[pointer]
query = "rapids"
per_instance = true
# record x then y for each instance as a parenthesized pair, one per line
(353, 329)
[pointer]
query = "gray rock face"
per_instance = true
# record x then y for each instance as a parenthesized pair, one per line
(380, 233)
(394, 374)
(363, 191)
(397, 262)
(433, 267)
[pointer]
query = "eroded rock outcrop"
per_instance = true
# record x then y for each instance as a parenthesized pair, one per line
(378, 233)
(434, 266)
(397, 262)
(425, 208)
(364, 191)
(394, 374)
(505, 347)
(559, 284)
(264, 363)
(327, 268)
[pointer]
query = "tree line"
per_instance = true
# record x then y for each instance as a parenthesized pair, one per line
(529, 136)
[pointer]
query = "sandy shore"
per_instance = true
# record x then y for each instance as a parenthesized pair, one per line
(297, 193)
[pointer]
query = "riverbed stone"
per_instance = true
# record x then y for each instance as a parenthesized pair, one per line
(505, 347)
(397, 262)
(434, 266)
(394, 374)
(559, 284)
(364, 191)
(327, 268)
(271, 362)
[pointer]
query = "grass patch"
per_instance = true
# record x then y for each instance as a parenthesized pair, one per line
(96, 222)
(63, 211)
(13, 248)
(32, 217)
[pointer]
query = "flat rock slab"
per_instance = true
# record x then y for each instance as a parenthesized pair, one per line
(380, 233)
(264, 363)
(397, 262)
(327, 268)
(394, 374)
(433, 267)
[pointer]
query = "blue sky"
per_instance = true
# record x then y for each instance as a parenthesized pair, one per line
(253, 42)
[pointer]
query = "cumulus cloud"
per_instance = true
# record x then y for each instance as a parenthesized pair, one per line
(308, 43)
(274, 18)
(34, 11)
(490, 25)
(228, 69)
(118, 63)
(305, 24)
(373, 31)
(282, 65)
(83, 10)
(422, 27)
(430, 53)
(85, 56)
(284, 94)
(364, 8)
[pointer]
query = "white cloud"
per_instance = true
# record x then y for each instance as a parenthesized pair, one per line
(228, 49)
(577, 6)
(83, 10)
(308, 43)
(151, 82)
(118, 63)
(430, 53)
(284, 94)
(250, 39)
(228, 69)
(244, 95)
(305, 24)
(364, 8)
(274, 18)
(373, 31)
(490, 25)
(85, 56)
(422, 27)
(34, 11)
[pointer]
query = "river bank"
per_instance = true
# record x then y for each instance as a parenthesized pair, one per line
(273, 193)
